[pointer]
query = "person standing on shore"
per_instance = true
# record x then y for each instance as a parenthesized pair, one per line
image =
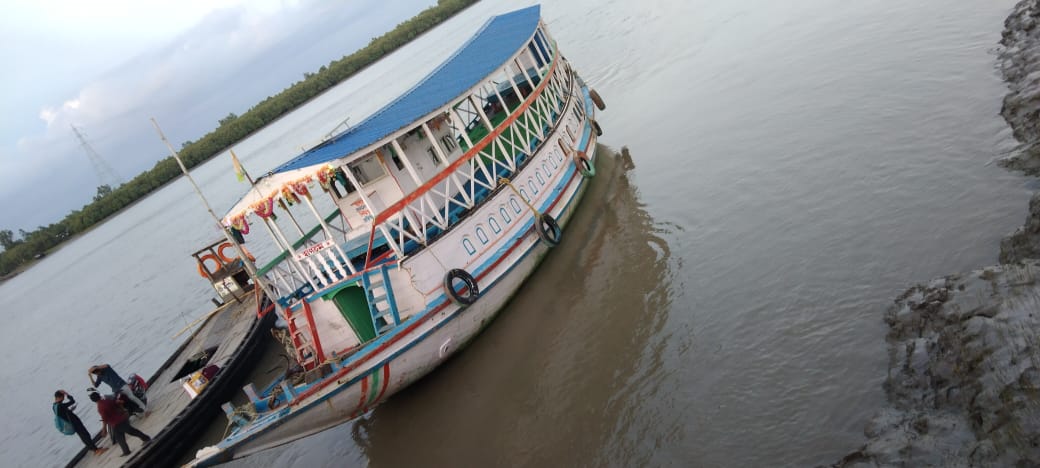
(115, 417)
(63, 409)
(105, 373)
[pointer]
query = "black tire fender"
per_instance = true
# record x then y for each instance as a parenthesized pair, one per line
(598, 101)
(595, 127)
(470, 294)
(549, 230)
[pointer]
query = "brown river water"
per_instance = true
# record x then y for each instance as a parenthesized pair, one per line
(796, 167)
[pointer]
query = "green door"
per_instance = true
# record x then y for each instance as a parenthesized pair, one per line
(353, 305)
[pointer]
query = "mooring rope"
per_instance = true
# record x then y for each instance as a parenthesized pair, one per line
(503, 180)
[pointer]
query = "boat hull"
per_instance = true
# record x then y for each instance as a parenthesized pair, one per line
(426, 341)
(186, 422)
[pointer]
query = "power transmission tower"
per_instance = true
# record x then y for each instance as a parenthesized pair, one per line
(106, 175)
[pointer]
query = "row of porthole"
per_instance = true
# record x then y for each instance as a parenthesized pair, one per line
(481, 234)
(555, 158)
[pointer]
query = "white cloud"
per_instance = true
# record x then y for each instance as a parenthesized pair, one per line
(222, 57)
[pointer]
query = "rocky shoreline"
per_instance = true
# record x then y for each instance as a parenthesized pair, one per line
(963, 383)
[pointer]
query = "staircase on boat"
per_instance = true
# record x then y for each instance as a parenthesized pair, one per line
(304, 336)
(381, 302)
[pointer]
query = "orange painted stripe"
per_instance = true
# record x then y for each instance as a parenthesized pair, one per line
(396, 207)
(472, 153)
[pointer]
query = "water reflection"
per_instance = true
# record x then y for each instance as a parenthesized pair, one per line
(537, 376)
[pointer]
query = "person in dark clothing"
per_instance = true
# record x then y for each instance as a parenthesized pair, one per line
(113, 415)
(64, 409)
(105, 374)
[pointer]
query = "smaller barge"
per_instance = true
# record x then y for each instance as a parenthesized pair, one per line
(230, 337)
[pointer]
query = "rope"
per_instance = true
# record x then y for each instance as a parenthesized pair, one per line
(503, 180)
(245, 410)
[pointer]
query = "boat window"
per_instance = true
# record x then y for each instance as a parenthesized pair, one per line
(552, 160)
(505, 215)
(530, 183)
(367, 169)
(541, 180)
(569, 131)
(468, 245)
(494, 224)
(481, 234)
(563, 146)
(513, 203)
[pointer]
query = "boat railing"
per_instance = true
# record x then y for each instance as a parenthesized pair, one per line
(316, 261)
(423, 215)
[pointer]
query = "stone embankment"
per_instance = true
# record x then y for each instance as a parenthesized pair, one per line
(964, 350)
(964, 374)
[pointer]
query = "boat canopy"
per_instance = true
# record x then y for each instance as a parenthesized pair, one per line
(486, 51)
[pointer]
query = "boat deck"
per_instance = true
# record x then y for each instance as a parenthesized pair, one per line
(167, 399)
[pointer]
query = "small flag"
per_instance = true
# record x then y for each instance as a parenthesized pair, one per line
(239, 171)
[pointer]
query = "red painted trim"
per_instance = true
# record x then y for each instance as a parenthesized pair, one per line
(314, 334)
(386, 383)
(364, 395)
(261, 313)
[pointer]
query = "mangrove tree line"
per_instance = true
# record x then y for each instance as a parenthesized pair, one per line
(109, 200)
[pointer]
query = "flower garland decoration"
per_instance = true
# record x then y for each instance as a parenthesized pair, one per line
(325, 176)
(264, 208)
(239, 222)
(300, 187)
(289, 196)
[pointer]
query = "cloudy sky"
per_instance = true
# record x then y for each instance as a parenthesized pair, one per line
(107, 66)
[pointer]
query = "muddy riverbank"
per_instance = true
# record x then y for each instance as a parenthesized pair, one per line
(963, 383)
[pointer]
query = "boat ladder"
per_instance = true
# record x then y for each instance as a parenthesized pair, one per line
(381, 301)
(308, 346)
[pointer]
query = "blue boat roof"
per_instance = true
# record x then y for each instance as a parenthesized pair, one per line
(486, 51)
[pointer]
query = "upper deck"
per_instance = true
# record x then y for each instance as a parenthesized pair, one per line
(403, 178)
(493, 45)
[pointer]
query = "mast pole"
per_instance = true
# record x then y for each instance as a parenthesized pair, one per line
(250, 267)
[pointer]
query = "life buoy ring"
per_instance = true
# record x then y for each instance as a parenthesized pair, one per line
(203, 270)
(548, 230)
(598, 101)
(472, 291)
(231, 258)
(595, 127)
(585, 166)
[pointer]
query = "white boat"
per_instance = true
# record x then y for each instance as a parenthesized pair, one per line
(445, 202)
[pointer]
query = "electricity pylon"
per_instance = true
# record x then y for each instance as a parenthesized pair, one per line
(105, 174)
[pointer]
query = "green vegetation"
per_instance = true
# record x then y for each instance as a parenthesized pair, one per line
(231, 129)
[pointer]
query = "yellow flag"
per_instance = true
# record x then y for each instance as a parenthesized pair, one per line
(239, 171)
